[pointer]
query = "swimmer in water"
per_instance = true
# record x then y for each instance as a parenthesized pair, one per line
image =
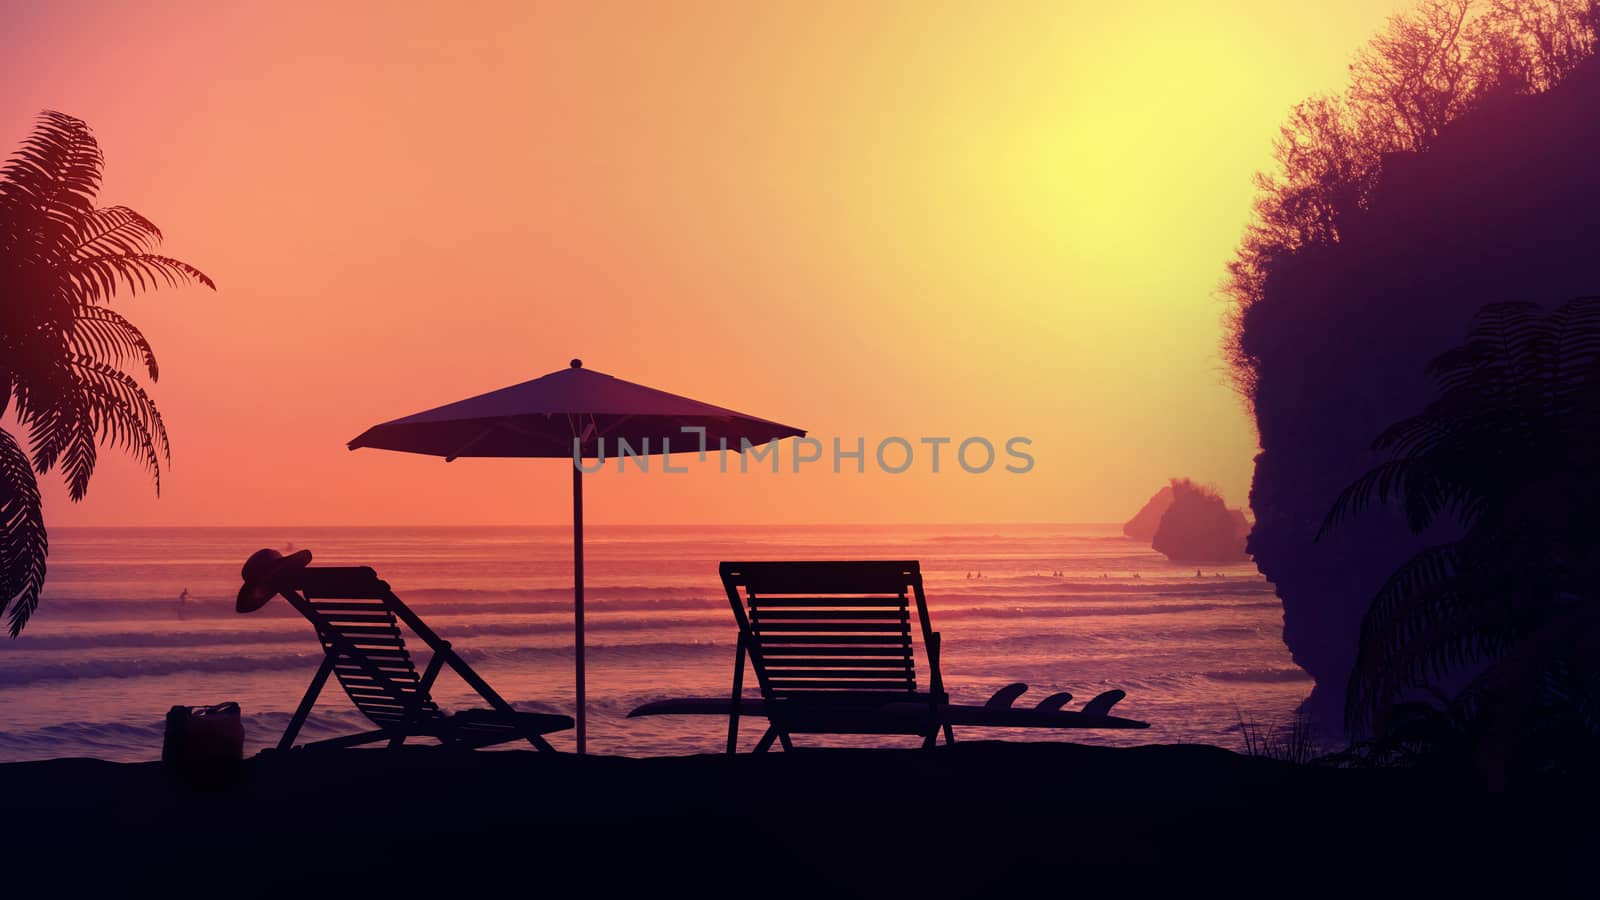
(183, 601)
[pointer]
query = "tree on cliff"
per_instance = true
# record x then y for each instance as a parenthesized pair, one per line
(62, 349)
(1430, 66)
(1510, 448)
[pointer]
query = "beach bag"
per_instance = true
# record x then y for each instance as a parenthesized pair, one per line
(203, 734)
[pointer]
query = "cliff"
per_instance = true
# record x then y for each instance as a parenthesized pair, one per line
(1502, 207)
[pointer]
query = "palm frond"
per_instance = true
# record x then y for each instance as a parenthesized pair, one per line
(63, 434)
(55, 176)
(23, 542)
(124, 416)
(99, 332)
(95, 279)
(1425, 489)
(115, 230)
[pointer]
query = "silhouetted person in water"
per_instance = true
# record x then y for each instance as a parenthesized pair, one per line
(183, 604)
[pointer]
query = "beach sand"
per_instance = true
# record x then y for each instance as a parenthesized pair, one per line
(979, 818)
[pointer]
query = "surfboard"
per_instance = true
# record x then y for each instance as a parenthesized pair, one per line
(987, 715)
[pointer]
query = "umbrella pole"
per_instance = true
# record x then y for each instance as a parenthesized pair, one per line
(577, 597)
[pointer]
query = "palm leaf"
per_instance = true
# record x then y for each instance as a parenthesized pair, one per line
(55, 175)
(95, 279)
(123, 414)
(100, 333)
(115, 230)
(23, 542)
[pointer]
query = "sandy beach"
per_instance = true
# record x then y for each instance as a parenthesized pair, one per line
(976, 818)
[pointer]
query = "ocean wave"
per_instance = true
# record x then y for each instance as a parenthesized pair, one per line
(1261, 676)
(428, 600)
(16, 675)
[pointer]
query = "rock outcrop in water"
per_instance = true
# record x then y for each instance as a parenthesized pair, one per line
(1143, 525)
(1502, 207)
(1199, 528)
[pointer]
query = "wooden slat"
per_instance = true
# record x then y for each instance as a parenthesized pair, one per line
(875, 627)
(351, 666)
(779, 645)
(836, 662)
(348, 605)
(347, 666)
(381, 657)
(370, 647)
(370, 705)
(398, 688)
(352, 630)
(403, 682)
(358, 618)
(339, 581)
(778, 684)
(834, 674)
(836, 600)
(408, 676)
(831, 577)
(827, 615)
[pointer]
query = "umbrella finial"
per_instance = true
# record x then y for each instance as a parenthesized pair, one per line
(577, 363)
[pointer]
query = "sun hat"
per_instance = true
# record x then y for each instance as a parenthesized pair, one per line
(262, 572)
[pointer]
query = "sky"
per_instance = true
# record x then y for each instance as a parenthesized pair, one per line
(864, 219)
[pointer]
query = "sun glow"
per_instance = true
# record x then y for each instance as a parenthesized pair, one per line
(874, 220)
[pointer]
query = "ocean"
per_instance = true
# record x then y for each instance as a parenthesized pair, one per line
(112, 648)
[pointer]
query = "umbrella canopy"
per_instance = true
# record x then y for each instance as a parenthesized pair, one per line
(542, 417)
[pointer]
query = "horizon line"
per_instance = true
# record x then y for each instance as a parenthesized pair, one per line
(566, 525)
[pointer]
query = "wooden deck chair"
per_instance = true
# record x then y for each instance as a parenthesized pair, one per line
(830, 643)
(354, 614)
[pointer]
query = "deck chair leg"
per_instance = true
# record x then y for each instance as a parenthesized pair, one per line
(765, 743)
(788, 745)
(949, 734)
(309, 700)
(738, 691)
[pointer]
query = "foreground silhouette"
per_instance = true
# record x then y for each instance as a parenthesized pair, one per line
(355, 617)
(978, 819)
(62, 349)
(1511, 450)
(1500, 207)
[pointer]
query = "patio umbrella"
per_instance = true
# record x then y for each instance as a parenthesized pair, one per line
(565, 415)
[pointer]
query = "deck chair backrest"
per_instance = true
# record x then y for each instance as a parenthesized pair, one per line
(354, 615)
(829, 629)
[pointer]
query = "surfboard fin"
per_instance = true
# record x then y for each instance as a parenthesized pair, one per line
(1102, 703)
(1054, 702)
(1006, 696)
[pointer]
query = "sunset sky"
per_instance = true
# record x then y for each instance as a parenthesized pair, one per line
(862, 219)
